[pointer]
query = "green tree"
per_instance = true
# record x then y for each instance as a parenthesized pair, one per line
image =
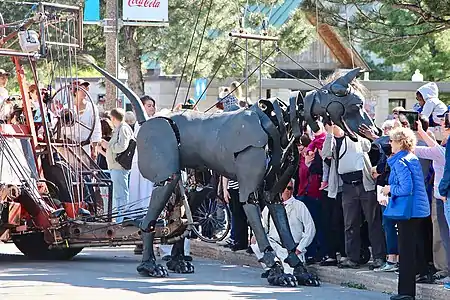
(55, 64)
(169, 46)
(411, 33)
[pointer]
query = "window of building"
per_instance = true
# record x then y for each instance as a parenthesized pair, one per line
(393, 103)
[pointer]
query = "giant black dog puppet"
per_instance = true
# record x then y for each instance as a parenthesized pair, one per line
(254, 146)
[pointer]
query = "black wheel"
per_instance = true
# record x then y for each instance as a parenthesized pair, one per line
(214, 220)
(33, 246)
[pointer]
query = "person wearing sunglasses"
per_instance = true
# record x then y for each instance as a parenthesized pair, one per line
(300, 222)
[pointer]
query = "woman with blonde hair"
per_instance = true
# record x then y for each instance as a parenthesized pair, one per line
(408, 205)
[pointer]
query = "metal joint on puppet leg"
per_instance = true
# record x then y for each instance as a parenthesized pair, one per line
(269, 258)
(254, 199)
(292, 259)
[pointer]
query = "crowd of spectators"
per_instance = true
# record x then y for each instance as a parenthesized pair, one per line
(381, 199)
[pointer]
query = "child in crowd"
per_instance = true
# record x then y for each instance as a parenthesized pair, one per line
(317, 144)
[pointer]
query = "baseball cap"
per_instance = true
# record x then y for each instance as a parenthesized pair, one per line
(81, 82)
(3, 72)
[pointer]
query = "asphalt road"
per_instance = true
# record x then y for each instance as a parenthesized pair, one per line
(109, 273)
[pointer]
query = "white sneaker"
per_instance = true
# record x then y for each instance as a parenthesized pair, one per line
(387, 267)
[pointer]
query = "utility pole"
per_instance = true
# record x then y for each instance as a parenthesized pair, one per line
(111, 26)
(110, 30)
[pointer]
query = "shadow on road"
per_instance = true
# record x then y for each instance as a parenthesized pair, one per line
(115, 268)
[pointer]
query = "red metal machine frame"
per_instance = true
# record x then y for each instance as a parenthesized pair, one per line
(66, 227)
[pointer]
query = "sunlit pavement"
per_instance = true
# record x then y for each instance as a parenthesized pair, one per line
(110, 273)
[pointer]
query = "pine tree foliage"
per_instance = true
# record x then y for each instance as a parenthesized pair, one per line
(169, 45)
(410, 33)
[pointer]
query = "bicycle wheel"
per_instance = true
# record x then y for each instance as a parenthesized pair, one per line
(3, 28)
(213, 219)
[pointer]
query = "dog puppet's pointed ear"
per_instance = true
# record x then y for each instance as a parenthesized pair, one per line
(349, 77)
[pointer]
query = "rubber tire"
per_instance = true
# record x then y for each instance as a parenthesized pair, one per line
(227, 230)
(33, 246)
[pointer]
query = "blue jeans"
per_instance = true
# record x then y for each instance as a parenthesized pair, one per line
(447, 211)
(443, 213)
(120, 191)
(390, 232)
(317, 248)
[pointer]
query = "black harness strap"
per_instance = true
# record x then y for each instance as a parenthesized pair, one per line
(281, 125)
(272, 131)
(308, 114)
(175, 129)
(293, 114)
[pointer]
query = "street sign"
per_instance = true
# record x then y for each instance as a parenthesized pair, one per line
(200, 86)
(92, 10)
(146, 10)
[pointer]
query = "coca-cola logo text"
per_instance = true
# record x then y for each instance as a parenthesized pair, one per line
(144, 3)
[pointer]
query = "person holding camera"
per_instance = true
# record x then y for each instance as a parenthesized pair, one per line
(432, 107)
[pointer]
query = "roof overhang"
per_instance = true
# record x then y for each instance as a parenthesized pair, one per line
(347, 56)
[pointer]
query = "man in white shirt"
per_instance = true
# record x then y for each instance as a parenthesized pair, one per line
(300, 222)
(88, 116)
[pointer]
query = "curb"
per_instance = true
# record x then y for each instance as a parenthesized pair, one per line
(362, 278)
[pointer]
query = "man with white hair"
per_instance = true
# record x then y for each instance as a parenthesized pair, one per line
(387, 126)
(300, 222)
(130, 119)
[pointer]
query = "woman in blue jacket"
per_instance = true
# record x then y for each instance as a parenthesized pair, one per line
(409, 206)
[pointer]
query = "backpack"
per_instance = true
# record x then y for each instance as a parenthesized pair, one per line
(125, 159)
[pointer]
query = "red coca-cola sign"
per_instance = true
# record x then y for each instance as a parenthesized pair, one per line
(144, 3)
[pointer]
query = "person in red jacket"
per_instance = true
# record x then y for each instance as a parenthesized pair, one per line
(308, 191)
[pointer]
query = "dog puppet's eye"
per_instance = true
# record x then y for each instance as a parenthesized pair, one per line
(339, 90)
